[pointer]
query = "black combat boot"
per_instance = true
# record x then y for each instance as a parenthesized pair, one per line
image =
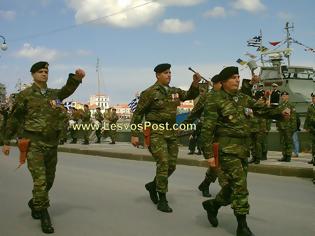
(212, 208)
(113, 142)
(35, 214)
(242, 228)
(98, 140)
(163, 204)
(86, 142)
(204, 188)
(151, 187)
(74, 141)
(46, 222)
(288, 158)
(284, 158)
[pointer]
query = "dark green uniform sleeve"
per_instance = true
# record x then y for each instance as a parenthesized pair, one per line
(69, 88)
(192, 93)
(197, 110)
(246, 87)
(208, 127)
(142, 107)
(15, 118)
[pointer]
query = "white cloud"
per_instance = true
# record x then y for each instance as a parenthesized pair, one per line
(285, 15)
(7, 15)
(38, 53)
(248, 5)
(176, 26)
(181, 2)
(89, 10)
(216, 12)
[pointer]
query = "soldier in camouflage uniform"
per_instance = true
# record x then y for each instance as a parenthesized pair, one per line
(226, 121)
(75, 116)
(197, 113)
(64, 123)
(158, 104)
(99, 117)
(86, 119)
(35, 110)
(286, 127)
(4, 111)
(113, 118)
(309, 125)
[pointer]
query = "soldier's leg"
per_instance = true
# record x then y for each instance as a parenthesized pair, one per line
(288, 145)
(254, 147)
(282, 143)
(313, 147)
(50, 162)
(37, 167)
(160, 152)
(210, 177)
(192, 145)
(264, 146)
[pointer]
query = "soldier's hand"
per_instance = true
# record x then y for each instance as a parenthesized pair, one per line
(211, 162)
(286, 113)
(79, 73)
(135, 141)
(196, 79)
(255, 79)
(6, 149)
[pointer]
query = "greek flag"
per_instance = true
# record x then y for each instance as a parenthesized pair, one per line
(133, 104)
(254, 42)
(68, 105)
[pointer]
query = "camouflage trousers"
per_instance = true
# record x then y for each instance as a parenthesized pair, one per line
(164, 149)
(313, 144)
(232, 176)
(286, 142)
(211, 175)
(41, 162)
(258, 145)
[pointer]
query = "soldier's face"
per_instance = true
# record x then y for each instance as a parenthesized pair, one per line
(41, 75)
(285, 98)
(164, 77)
(313, 100)
(232, 83)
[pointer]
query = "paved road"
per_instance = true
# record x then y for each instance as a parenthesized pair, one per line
(103, 196)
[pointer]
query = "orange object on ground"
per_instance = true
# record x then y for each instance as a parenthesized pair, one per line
(23, 145)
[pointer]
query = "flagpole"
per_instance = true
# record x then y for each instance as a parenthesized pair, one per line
(261, 42)
(98, 80)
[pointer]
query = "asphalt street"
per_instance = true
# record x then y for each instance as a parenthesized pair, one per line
(105, 196)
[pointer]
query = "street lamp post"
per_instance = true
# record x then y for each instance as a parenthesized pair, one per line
(3, 45)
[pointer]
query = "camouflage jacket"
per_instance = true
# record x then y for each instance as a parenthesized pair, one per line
(309, 123)
(36, 112)
(99, 116)
(159, 105)
(86, 117)
(113, 118)
(285, 124)
(226, 119)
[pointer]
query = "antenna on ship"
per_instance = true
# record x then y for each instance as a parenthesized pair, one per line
(288, 40)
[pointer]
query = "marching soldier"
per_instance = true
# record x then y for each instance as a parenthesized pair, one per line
(158, 104)
(86, 119)
(113, 118)
(309, 126)
(286, 127)
(35, 110)
(225, 120)
(99, 117)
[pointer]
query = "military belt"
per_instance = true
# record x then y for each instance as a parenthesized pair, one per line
(226, 140)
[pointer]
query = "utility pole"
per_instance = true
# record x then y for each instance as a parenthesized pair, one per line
(287, 28)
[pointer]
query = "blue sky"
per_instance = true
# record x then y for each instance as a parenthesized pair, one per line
(206, 35)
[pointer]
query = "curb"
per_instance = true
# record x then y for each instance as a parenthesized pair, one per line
(261, 168)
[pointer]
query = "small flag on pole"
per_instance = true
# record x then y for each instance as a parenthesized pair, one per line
(254, 42)
(275, 43)
(240, 61)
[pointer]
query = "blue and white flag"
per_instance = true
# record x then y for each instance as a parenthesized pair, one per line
(254, 42)
(133, 104)
(68, 105)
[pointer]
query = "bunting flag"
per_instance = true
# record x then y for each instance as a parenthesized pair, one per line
(254, 42)
(133, 104)
(251, 56)
(275, 43)
(262, 49)
(306, 48)
(240, 61)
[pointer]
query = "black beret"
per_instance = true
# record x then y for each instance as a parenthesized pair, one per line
(227, 72)
(39, 65)
(162, 67)
(215, 78)
(284, 93)
(313, 94)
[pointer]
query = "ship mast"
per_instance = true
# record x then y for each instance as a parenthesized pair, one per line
(288, 40)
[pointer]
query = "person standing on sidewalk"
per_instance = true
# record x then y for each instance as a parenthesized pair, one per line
(86, 119)
(295, 137)
(226, 115)
(286, 127)
(158, 104)
(99, 117)
(309, 126)
(34, 108)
